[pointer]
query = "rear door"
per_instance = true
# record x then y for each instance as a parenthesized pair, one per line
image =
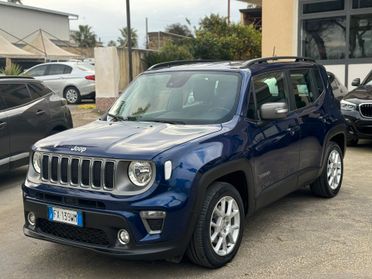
(276, 142)
(308, 95)
(4, 136)
(56, 77)
(28, 119)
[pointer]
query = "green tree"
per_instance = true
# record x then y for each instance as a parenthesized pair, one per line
(215, 39)
(169, 52)
(84, 37)
(111, 43)
(179, 29)
(123, 39)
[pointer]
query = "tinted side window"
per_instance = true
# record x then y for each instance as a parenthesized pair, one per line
(56, 70)
(300, 81)
(2, 104)
(15, 94)
(39, 90)
(37, 71)
(67, 70)
(270, 88)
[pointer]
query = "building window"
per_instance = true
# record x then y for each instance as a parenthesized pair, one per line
(361, 36)
(358, 4)
(324, 39)
(325, 6)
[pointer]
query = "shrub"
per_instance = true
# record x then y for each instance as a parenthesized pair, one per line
(12, 70)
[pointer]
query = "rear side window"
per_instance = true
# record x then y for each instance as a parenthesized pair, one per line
(39, 90)
(59, 69)
(37, 71)
(301, 83)
(15, 95)
(2, 104)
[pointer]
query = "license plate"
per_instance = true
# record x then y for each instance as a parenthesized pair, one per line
(66, 216)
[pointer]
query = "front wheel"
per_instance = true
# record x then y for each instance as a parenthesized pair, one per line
(72, 95)
(219, 229)
(329, 183)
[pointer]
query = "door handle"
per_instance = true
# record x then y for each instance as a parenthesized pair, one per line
(40, 112)
(2, 125)
(292, 130)
(324, 119)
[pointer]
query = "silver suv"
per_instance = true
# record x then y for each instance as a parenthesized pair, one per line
(72, 80)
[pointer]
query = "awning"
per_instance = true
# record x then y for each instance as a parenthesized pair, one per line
(42, 45)
(8, 50)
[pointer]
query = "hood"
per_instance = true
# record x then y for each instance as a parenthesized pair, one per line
(360, 95)
(123, 140)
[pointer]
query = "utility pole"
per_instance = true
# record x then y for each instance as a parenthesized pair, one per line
(147, 33)
(228, 11)
(129, 28)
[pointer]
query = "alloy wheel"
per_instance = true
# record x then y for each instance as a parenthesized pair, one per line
(334, 169)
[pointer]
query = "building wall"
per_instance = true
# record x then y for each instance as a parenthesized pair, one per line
(279, 27)
(21, 22)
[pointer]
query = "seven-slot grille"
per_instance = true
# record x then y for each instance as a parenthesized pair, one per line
(79, 171)
(366, 110)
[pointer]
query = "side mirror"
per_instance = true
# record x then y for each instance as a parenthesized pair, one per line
(271, 111)
(356, 82)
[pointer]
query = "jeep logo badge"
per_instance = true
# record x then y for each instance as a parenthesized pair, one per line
(78, 149)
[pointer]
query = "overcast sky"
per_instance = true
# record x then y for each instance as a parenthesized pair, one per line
(107, 16)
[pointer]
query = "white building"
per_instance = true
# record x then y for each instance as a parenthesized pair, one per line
(21, 20)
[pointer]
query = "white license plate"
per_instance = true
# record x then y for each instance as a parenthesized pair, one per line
(66, 216)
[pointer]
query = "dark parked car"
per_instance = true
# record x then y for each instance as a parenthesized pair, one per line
(28, 112)
(339, 90)
(357, 110)
(164, 173)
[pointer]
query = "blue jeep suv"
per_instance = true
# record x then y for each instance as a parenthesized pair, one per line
(184, 155)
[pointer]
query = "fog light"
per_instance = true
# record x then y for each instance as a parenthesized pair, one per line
(123, 237)
(31, 218)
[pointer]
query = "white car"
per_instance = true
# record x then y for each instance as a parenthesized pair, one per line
(72, 80)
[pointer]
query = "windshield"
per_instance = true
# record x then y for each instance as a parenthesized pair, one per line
(85, 67)
(179, 98)
(369, 80)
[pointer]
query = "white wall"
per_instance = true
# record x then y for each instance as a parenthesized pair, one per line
(338, 70)
(21, 22)
(358, 71)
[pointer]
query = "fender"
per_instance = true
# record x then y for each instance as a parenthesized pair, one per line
(340, 129)
(203, 181)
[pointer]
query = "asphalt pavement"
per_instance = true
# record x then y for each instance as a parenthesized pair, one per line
(300, 236)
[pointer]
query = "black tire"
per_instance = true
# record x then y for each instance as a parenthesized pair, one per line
(352, 142)
(321, 187)
(200, 250)
(72, 101)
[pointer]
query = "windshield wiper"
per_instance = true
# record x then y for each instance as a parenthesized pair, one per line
(116, 117)
(166, 121)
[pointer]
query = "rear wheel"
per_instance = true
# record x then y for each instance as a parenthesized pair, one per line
(219, 229)
(72, 95)
(329, 183)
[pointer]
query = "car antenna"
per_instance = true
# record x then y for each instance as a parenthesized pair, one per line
(274, 50)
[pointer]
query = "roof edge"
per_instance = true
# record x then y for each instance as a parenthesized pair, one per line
(26, 7)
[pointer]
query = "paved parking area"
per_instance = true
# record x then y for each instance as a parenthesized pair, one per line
(297, 237)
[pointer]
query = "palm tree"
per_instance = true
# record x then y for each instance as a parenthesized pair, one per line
(85, 37)
(111, 43)
(123, 40)
(15, 1)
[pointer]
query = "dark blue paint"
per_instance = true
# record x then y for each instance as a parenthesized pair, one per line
(275, 158)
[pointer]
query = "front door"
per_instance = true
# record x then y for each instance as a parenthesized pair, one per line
(275, 144)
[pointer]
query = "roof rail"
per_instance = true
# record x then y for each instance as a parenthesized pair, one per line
(178, 63)
(16, 77)
(277, 58)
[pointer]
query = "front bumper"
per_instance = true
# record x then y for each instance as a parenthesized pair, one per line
(101, 226)
(358, 126)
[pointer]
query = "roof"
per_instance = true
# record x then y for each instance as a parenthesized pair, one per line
(255, 64)
(74, 16)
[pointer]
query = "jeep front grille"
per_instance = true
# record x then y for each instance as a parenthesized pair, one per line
(98, 174)
(366, 110)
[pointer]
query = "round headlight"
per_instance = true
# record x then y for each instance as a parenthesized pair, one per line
(140, 173)
(36, 161)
